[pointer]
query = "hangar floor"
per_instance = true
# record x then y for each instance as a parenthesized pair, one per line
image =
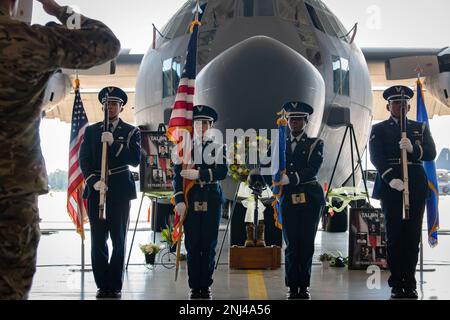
(57, 281)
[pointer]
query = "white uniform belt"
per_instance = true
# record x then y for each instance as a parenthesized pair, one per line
(397, 162)
(308, 182)
(207, 183)
(114, 171)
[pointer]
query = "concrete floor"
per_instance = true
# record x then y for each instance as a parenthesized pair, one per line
(60, 252)
(59, 282)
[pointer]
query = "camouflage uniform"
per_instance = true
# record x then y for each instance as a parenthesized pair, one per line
(29, 56)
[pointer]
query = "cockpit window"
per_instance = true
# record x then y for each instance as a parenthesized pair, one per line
(171, 76)
(341, 75)
(324, 20)
(221, 11)
(255, 8)
(179, 24)
(314, 17)
(292, 10)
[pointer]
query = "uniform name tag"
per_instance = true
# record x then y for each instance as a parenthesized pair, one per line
(298, 198)
(200, 206)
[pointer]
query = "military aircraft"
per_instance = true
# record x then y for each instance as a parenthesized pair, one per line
(254, 55)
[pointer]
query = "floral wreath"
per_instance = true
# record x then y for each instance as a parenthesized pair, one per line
(238, 169)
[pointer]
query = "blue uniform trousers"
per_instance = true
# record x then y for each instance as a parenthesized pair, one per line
(201, 232)
(108, 274)
(300, 223)
(403, 240)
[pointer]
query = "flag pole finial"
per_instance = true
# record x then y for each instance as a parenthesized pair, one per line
(419, 71)
(77, 81)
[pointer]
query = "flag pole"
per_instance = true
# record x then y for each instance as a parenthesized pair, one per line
(195, 23)
(80, 214)
(421, 255)
(77, 82)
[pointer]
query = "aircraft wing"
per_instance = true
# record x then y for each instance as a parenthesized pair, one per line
(392, 66)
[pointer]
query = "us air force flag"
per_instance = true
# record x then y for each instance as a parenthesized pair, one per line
(430, 169)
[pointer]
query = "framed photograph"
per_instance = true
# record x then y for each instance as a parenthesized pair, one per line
(367, 239)
(156, 170)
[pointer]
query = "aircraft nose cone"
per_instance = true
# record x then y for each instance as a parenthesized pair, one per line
(248, 84)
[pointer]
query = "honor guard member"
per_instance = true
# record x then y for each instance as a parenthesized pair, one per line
(29, 56)
(205, 200)
(124, 149)
(403, 237)
(303, 199)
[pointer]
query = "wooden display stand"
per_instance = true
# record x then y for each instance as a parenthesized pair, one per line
(255, 257)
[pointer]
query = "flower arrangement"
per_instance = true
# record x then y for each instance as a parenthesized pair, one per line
(238, 169)
(333, 260)
(325, 257)
(150, 248)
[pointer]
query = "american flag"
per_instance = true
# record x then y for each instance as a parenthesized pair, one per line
(76, 205)
(182, 110)
(182, 113)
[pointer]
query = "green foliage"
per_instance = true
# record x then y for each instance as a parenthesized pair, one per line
(58, 180)
(166, 235)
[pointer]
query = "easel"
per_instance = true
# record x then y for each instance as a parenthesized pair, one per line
(135, 228)
(353, 141)
(153, 199)
(230, 216)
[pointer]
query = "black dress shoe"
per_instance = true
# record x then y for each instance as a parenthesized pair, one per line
(397, 293)
(411, 294)
(304, 293)
(115, 294)
(195, 294)
(102, 294)
(205, 293)
(292, 293)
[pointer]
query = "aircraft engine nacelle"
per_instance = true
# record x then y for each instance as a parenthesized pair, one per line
(436, 69)
(58, 87)
(439, 86)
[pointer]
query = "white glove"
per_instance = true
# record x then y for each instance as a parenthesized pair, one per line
(285, 180)
(100, 186)
(405, 143)
(180, 208)
(107, 137)
(397, 184)
(190, 174)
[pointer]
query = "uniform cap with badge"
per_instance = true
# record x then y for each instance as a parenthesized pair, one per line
(202, 112)
(396, 93)
(297, 109)
(114, 94)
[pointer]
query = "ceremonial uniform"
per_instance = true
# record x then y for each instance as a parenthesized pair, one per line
(303, 200)
(403, 237)
(204, 207)
(29, 56)
(124, 151)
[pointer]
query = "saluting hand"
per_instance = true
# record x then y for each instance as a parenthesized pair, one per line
(405, 143)
(50, 6)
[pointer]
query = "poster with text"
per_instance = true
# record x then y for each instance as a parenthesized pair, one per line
(367, 239)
